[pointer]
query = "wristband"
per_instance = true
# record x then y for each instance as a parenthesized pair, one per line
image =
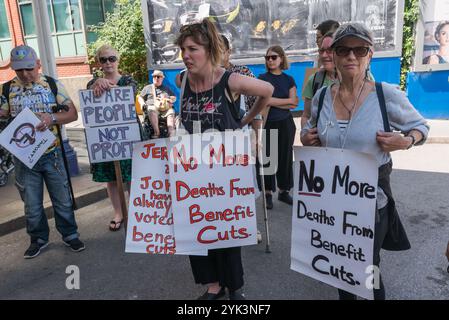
(53, 119)
(413, 141)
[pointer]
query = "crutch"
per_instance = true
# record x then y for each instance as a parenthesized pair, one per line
(262, 181)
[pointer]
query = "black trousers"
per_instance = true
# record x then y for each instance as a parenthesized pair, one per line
(380, 231)
(284, 167)
(220, 265)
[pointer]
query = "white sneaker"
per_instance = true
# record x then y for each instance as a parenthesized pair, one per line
(259, 237)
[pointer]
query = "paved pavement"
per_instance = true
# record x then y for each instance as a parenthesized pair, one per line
(420, 181)
(107, 272)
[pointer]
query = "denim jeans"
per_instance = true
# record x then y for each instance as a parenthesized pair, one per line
(30, 183)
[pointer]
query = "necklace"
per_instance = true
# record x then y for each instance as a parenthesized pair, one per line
(350, 111)
(210, 105)
(355, 102)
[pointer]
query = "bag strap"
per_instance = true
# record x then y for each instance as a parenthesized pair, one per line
(53, 87)
(318, 80)
(320, 104)
(5, 90)
(183, 76)
(383, 106)
(235, 111)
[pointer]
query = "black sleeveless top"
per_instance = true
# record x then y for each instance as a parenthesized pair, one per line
(211, 107)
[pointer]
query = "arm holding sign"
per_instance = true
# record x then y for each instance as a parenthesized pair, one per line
(101, 85)
(63, 117)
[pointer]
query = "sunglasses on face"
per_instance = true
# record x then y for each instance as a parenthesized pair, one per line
(273, 57)
(327, 50)
(111, 59)
(157, 77)
(26, 69)
(358, 51)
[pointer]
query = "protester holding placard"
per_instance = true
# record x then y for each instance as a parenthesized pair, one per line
(280, 119)
(108, 58)
(32, 90)
(205, 102)
(350, 115)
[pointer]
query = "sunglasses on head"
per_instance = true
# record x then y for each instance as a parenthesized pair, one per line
(106, 59)
(25, 69)
(272, 57)
(358, 51)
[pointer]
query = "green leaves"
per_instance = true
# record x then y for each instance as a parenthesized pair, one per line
(408, 40)
(123, 29)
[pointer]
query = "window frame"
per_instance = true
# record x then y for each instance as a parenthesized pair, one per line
(4, 56)
(55, 34)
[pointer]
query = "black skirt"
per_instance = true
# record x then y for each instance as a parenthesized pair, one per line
(220, 265)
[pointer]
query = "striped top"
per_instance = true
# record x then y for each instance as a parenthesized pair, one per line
(343, 124)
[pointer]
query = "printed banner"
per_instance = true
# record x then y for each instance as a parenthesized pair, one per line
(110, 123)
(213, 191)
(333, 218)
(22, 139)
(150, 218)
(432, 41)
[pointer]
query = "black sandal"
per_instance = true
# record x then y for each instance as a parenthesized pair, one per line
(115, 223)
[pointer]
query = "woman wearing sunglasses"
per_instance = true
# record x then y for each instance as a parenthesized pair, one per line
(351, 117)
(280, 118)
(108, 58)
(323, 77)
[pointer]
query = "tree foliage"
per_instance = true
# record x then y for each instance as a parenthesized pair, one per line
(411, 15)
(123, 30)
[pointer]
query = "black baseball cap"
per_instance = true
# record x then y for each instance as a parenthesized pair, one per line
(356, 30)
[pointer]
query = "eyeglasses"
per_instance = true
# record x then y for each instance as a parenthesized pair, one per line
(273, 57)
(327, 50)
(358, 51)
(111, 59)
(26, 69)
(157, 77)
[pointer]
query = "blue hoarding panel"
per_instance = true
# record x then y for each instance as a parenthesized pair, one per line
(387, 69)
(383, 69)
(429, 93)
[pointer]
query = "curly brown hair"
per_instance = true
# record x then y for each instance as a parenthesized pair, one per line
(205, 34)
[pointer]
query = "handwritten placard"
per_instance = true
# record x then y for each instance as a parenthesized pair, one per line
(110, 123)
(22, 139)
(150, 219)
(213, 191)
(333, 217)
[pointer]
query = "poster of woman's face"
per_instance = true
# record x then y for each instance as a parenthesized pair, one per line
(432, 53)
(436, 42)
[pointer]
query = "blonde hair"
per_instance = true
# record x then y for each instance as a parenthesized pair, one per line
(103, 48)
(278, 49)
(205, 34)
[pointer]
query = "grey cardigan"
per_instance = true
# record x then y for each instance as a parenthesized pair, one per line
(360, 134)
